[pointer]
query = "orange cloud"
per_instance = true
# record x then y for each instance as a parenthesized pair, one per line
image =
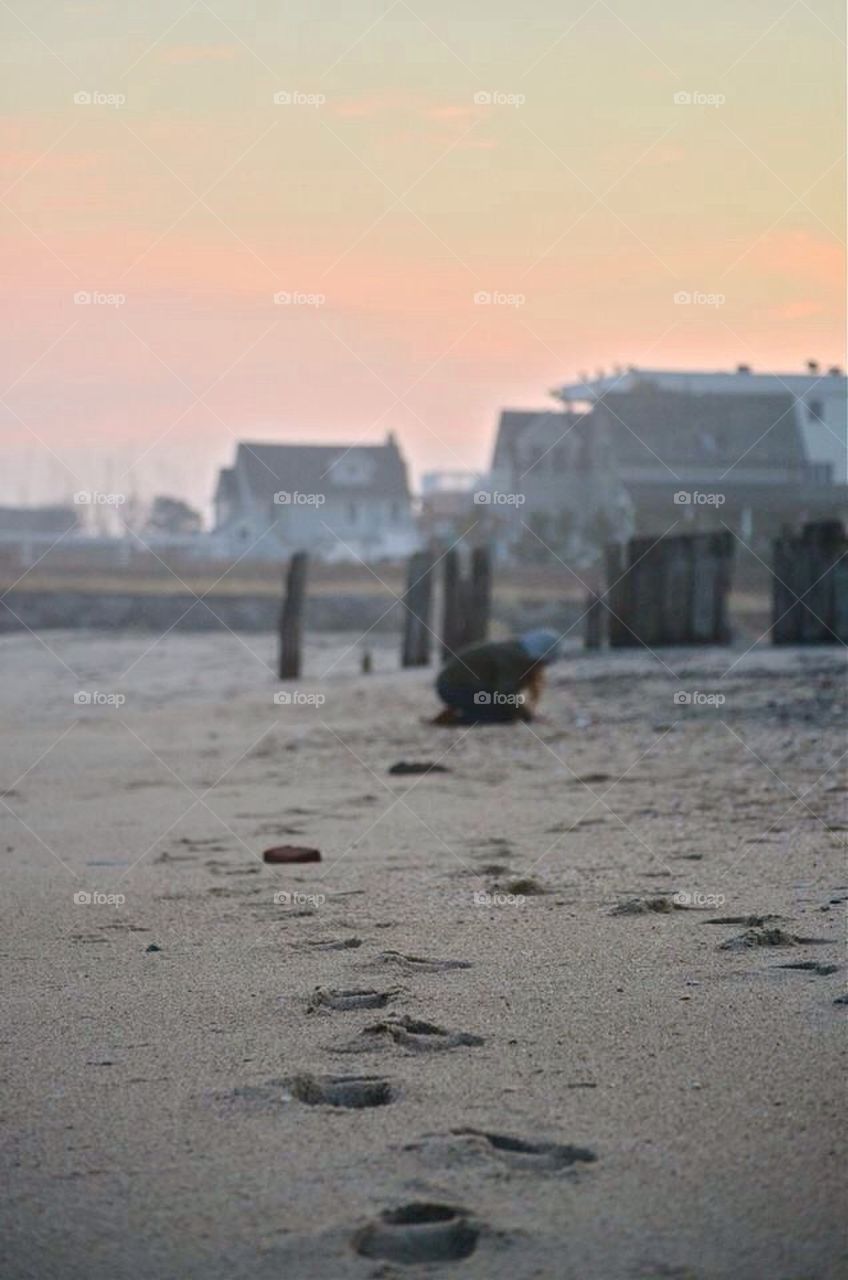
(800, 310)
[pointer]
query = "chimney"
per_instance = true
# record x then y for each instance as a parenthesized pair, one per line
(835, 371)
(812, 367)
(743, 368)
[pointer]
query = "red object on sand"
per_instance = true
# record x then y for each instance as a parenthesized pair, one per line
(291, 853)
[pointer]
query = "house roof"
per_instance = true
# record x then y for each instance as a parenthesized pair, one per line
(514, 423)
(741, 382)
(375, 471)
(227, 488)
(648, 423)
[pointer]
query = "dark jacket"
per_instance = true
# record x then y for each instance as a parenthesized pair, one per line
(497, 666)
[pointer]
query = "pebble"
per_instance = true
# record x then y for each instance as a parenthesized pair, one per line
(291, 853)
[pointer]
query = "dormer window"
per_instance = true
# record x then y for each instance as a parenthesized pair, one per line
(352, 469)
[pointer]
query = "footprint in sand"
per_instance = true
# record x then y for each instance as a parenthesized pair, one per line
(420, 964)
(342, 1091)
(535, 1156)
(810, 966)
(356, 1092)
(769, 938)
(346, 1001)
(752, 922)
(467, 1146)
(409, 1033)
(419, 1232)
(332, 944)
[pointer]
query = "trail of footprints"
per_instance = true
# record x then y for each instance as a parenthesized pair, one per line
(421, 1231)
(424, 1232)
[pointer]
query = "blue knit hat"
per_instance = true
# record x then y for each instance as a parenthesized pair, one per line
(541, 645)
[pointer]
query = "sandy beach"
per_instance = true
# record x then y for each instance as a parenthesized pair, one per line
(192, 1091)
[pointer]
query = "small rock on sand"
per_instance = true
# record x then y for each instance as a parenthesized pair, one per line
(287, 853)
(417, 766)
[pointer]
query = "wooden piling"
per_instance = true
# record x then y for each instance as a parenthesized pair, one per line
(645, 558)
(416, 604)
(291, 617)
(809, 601)
(614, 598)
(674, 590)
(679, 589)
(453, 623)
(479, 597)
(593, 621)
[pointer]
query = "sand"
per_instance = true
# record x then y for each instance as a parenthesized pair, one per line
(160, 1115)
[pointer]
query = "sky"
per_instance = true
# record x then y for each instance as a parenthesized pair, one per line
(313, 221)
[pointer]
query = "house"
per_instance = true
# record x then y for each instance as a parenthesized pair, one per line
(341, 502)
(742, 461)
(637, 452)
(821, 399)
(553, 488)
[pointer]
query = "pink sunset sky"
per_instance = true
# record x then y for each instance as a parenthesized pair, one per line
(426, 155)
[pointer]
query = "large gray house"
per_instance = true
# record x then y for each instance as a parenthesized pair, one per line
(637, 453)
(339, 502)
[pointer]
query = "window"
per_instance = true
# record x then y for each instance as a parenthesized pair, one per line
(815, 410)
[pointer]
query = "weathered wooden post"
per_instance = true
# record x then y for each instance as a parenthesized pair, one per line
(479, 596)
(615, 596)
(679, 587)
(593, 621)
(673, 590)
(453, 623)
(823, 543)
(809, 602)
(291, 617)
(785, 609)
(712, 556)
(645, 557)
(416, 603)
